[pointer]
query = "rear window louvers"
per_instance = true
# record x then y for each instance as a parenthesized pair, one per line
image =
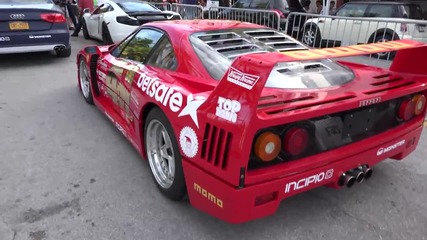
(216, 144)
(230, 44)
(276, 40)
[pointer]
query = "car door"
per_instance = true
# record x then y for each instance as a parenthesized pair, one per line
(94, 25)
(126, 60)
(344, 31)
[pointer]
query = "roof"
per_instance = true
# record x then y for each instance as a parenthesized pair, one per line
(198, 25)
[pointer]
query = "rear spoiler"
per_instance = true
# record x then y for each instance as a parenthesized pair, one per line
(245, 79)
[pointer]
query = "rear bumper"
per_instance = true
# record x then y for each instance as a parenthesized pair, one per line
(34, 41)
(28, 49)
(230, 204)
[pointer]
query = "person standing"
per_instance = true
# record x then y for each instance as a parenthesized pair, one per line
(83, 4)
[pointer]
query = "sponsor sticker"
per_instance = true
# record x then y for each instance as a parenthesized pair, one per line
(245, 80)
(167, 96)
(4, 39)
(305, 182)
(189, 142)
(39, 36)
(390, 148)
(227, 109)
(193, 103)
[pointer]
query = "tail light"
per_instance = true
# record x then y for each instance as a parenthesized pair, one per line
(127, 20)
(267, 146)
(403, 27)
(53, 17)
(295, 141)
(406, 109)
(420, 103)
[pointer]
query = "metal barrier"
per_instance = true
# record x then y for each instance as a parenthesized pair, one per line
(267, 18)
(333, 31)
(164, 6)
(188, 11)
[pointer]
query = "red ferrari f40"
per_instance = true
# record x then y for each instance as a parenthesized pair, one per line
(239, 117)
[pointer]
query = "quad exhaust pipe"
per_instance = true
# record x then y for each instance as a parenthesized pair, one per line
(59, 48)
(356, 175)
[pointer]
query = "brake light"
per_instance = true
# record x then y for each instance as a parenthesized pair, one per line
(295, 141)
(403, 27)
(406, 109)
(267, 146)
(53, 17)
(419, 102)
(280, 13)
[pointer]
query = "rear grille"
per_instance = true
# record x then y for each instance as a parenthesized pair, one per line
(276, 40)
(388, 82)
(216, 143)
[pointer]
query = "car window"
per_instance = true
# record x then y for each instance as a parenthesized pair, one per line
(260, 4)
(138, 48)
(133, 7)
(413, 12)
(102, 9)
(382, 10)
(242, 4)
(163, 56)
(352, 10)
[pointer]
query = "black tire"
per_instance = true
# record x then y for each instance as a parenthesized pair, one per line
(106, 37)
(177, 191)
(85, 31)
(383, 37)
(64, 53)
(311, 35)
(88, 97)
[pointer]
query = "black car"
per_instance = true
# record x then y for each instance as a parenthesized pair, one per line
(282, 7)
(33, 26)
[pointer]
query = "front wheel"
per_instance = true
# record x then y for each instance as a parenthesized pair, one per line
(163, 155)
(85, 31)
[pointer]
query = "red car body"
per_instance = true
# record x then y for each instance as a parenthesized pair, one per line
(218, 123)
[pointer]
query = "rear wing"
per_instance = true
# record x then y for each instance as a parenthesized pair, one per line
(246, 78)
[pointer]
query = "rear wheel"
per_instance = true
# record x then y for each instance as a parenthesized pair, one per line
(384, 37)
(84, 81)
(106, 37)
(311, 35)
(163, 155)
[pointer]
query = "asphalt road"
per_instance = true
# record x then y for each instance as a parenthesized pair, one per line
(67, 173)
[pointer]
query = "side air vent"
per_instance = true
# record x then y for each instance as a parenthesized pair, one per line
(388, 82)
(276, 40)
(267, 104)
(215, 147)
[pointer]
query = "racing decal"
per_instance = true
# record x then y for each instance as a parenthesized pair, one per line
(208, 195)
(4, 39)
(242, 79)
(189, 142)
(193, 103)
(227, 109)
(168, 96)
(369, 102)
(305, 182)
(348, 50)
(389, 148)
(101, 75)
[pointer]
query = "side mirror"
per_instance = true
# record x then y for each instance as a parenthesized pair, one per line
(86, 10)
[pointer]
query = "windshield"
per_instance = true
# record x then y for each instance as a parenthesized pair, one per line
(25, 1)
(413, 12)
(217, 50)
(130, 7)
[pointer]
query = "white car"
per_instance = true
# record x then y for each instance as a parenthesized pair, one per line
(114, 20)
(334, 32)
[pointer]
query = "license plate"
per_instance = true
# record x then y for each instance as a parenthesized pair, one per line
(19, 26)
(359, 122)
